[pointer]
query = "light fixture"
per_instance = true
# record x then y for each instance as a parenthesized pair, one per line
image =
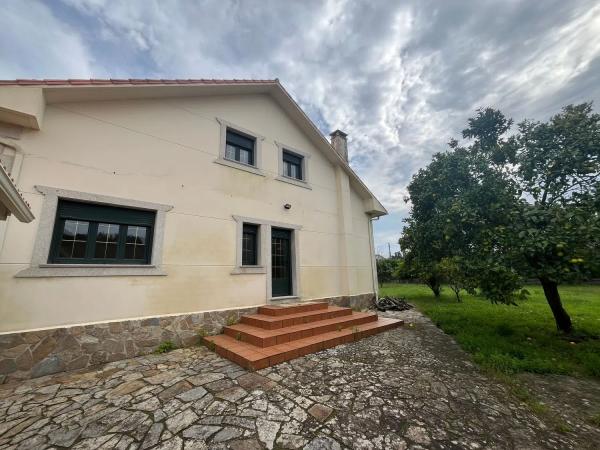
(287, 206)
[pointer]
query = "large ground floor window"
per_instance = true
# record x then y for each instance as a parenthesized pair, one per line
(88, 233)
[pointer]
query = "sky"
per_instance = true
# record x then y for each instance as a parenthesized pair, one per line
(400, 77)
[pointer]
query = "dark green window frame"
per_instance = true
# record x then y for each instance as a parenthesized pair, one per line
(250, 245)
(292, 165)
(240, 147)
(132, 244)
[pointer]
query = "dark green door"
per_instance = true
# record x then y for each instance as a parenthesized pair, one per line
(281, 262)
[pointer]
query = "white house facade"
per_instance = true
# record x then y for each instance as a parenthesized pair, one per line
(151, 208)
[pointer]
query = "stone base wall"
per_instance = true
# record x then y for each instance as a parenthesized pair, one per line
(32, 354)
(362, 301)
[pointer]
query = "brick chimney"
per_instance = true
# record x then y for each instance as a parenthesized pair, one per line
(340, 144)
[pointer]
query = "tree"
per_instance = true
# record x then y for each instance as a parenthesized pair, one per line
(509, 207)
(456, 202)
(556, 165)
(385, 270)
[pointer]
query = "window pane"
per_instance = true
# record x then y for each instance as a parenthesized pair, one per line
(74, 239)
(119, 234)
(66, 249)
(249, 245)
(70, 229)
(136, 235)
(245, 156)
(82, 231)
(106, 240)
(79, 249)
(292, 165)
(140, 252)
(230, 152)
(111, 250)
(239, 148)
(135, 245)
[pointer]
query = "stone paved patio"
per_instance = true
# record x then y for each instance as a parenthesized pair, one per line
(407, 388)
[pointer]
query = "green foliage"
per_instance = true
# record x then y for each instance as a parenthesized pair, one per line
(386, 269)
(595, 420)
(511, 339)
(231, 320)
(504, 208)
(165, 347)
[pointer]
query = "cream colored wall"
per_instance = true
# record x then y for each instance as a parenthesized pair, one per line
(162, 151)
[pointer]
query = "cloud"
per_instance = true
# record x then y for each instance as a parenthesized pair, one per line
(400, 78)
(35, 43)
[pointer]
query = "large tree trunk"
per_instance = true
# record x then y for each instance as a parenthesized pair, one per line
(562, 319)
(434, 285)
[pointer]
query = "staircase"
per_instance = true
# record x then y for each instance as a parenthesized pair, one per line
(280, 333)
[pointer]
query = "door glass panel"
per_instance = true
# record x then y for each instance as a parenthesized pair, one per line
(281, 263)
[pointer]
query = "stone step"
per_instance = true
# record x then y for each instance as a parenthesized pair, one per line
(269, 322)
(261, 337)
(252, 357)
(284, 310)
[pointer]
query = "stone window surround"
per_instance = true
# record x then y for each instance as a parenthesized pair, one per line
(257, 167)
(304, 182)
(39, 261)
(264, 253)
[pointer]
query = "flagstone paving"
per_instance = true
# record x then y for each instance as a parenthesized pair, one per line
(411, 387)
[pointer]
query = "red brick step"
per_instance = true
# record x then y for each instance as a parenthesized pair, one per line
(280, 333)
(252, 357)
(266, 338)
(271, 322)
(282, 310)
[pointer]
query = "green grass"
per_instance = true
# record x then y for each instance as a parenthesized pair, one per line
(523, 338)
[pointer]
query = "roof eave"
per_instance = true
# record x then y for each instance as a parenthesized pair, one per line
(12, 200)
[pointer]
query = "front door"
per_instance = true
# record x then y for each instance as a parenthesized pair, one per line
(281, 262)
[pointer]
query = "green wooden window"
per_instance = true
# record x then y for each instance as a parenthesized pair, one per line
(250, 245)
(240, 148)
(88, 233)
(292, 165)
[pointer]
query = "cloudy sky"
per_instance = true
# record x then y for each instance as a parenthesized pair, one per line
(400, 77)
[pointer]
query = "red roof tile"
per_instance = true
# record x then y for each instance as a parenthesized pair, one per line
(133, 81)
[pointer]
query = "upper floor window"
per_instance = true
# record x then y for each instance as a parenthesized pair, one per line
(87, 233)
(292, 165)
(240, 148)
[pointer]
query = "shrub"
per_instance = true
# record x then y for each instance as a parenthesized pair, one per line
(165, 347)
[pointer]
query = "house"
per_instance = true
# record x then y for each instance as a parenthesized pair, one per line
(162, 206)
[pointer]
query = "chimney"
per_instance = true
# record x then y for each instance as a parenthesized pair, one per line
(340, 144)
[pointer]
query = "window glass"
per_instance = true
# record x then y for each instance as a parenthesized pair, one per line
(107, 240)
(74, 239)
(250, 245)
(99, 234)
(135, 244)
(239, 148)
(292, 165)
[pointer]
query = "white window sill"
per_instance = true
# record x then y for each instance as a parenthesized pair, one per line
(249, 270)
(294, 181)
(240, 166)
(90, 270)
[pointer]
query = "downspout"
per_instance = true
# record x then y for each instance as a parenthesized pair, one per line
(373, 262)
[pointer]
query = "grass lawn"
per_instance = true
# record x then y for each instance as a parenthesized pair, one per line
(512, 339)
